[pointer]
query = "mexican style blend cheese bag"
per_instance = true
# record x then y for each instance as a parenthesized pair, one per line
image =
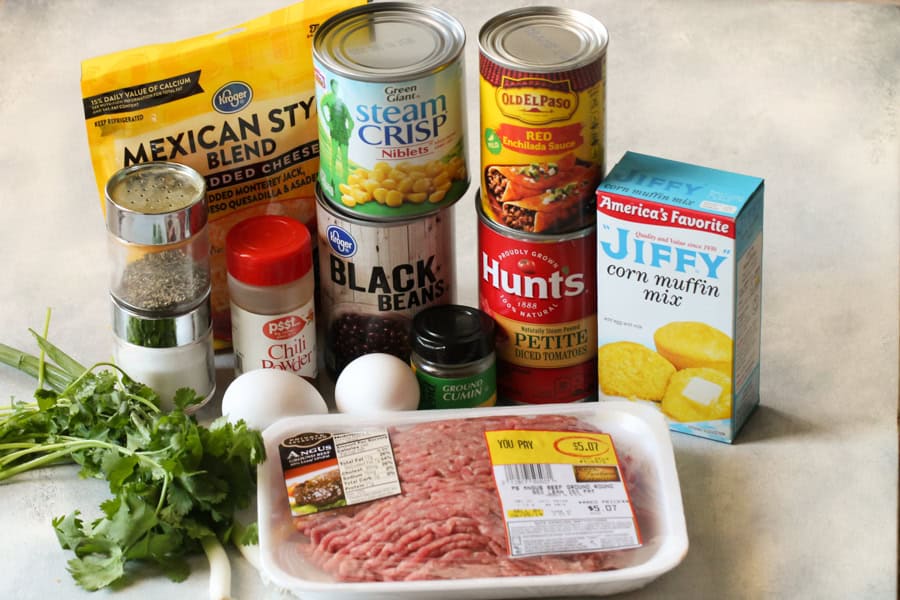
(236, 105)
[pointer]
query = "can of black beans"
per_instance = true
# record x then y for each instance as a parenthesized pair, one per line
(374, 276)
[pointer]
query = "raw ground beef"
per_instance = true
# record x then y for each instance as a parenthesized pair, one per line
(447, 523)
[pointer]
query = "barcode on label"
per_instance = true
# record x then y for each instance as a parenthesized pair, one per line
(528, 472)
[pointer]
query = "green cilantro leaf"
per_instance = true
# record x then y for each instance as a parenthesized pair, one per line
(174, 484)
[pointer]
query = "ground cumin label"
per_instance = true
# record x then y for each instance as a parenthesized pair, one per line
(236, 105)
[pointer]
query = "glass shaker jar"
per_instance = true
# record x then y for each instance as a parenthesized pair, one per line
(453, 357)
(156, 217)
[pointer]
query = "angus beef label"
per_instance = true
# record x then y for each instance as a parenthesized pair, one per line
(323, 471)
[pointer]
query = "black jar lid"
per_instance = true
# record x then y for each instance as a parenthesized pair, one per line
(452, 334)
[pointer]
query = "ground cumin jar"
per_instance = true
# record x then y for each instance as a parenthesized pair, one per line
(272, 288)
(453, 357)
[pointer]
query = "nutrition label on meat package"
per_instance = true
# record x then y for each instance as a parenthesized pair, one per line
(323, 471)
(367, 467)
(561, 492)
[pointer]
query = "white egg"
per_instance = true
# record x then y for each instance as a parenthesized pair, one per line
(262, 396)
(375, 383)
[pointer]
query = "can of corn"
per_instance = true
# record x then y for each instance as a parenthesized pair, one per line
(389, 95)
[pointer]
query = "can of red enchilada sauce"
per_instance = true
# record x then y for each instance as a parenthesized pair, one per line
(374, 277)
(391, 115)
(541, 291)
(542, 82)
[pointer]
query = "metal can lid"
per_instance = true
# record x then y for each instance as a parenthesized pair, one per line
(156, 203)
(388, 41)
(543, 39)
(268, 250)
(161, 331)
(336, 210)
(452, 334)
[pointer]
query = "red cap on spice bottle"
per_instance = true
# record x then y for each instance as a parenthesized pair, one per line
(268, 250)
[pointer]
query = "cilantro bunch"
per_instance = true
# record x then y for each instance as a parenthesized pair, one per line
(175, 485)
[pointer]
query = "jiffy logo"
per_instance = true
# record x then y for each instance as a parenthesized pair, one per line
(341, 241)
(232, 97)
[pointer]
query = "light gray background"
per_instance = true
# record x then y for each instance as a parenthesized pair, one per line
(804, 94)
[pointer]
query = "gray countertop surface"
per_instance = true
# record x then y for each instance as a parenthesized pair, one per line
(803, 94)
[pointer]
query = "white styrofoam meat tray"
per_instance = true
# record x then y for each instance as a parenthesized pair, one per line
(637, 431)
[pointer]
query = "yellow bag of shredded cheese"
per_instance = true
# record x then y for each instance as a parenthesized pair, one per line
(237, 105)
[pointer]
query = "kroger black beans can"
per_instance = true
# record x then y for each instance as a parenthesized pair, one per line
(375, 276)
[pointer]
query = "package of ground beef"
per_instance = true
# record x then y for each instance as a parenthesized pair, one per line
(469, 503)
(236, 105)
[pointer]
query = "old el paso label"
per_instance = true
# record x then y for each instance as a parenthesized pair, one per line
(561, 491)
(536, 101)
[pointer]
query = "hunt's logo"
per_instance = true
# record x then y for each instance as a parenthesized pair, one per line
(536, 101)
(232, 97)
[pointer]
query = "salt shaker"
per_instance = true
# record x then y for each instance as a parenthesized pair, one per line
(156, 217)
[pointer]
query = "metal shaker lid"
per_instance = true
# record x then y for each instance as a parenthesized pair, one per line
(156, 203)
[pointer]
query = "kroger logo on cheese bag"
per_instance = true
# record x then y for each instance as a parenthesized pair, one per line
(236, 105)
(232, 97)
(679, 270)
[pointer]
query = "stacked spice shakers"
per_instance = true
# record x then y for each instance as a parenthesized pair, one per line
(156, 219)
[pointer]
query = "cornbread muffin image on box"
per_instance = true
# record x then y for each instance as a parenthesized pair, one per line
(633, 370)
(689, 344)
(698, 394)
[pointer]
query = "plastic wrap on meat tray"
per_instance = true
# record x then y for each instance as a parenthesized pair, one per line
(447, 523)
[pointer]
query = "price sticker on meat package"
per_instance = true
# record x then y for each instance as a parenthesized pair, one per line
(323, 471)
(561, 492)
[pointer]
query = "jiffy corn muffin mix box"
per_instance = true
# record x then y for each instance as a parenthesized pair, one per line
(679, 274)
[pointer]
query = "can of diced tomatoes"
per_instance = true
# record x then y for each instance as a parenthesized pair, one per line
(389, 95)
(541, 292)
(543, 89)
(374, 277)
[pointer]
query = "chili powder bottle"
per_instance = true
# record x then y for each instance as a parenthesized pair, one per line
(272, 286)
